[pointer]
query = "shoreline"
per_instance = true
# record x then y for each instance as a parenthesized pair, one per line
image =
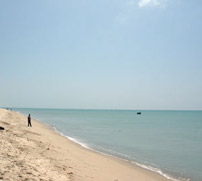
(131, 162)
(81, 163)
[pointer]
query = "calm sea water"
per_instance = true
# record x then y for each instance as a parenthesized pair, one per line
(168, 142)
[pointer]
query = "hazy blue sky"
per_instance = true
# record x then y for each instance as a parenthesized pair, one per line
(117, 54)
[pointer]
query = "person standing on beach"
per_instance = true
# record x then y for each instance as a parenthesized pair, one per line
(29, 120)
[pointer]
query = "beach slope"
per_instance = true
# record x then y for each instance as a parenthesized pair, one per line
(39, 153)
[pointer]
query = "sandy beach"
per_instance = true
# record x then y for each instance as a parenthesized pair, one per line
(39, 153)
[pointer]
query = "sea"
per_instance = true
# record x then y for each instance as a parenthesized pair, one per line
(166, 142)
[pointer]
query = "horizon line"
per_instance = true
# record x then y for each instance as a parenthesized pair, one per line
(102, 109)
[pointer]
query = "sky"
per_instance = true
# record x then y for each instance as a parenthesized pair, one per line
(101, 54)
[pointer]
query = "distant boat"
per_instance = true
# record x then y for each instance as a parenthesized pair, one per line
(139, 113)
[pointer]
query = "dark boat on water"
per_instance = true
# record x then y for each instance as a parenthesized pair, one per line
(138, 113)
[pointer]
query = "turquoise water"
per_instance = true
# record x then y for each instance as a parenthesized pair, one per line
(168, 142)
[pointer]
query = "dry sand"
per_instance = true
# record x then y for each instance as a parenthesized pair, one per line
(39, 153)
